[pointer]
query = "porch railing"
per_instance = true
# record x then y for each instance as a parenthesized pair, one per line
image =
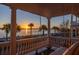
(62, 41)
(24, 45)
(73, 50)
(4, 48)
(27, 45)
(31, 44)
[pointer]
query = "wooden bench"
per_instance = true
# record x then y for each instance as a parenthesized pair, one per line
(58, 51)
(38, 51)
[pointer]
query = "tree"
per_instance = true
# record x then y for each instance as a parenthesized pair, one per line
(55, 29)
(65, 31)
(6, 27)
(67, 23)
(18, 28)
(43, 28)
(64, 28)
(31, 25)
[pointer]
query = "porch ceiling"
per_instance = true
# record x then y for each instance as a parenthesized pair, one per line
(48, 10)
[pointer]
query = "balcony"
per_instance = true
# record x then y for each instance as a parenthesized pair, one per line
(25, 46)
(46, 44)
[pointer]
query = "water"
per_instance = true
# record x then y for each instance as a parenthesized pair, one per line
(27, 32)
(2, 34)
(22, 33)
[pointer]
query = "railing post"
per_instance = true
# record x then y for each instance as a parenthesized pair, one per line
(13, 32)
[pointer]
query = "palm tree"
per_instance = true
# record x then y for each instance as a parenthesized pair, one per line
(43, 28)
(64, 27)
(55, 29)
(67, 23)
(18, 28)
(31, 25)
(6, 27)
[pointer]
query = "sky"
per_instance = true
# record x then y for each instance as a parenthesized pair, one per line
(24, 18)
(56, 21)
(5, 13)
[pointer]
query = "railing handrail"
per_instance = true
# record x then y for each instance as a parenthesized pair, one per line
(38, 38)
(23, 39)
(71, 49)
(25, 45)
(65, 37)
(35, 43)
(7, 42)
(31, 38)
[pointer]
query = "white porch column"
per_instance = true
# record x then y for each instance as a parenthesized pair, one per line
(13, 31)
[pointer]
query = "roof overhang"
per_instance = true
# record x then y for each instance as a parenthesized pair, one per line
(47, 9)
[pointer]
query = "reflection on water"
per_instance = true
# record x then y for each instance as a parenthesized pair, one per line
(27, 32)
(2, 34)
(22, 33)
